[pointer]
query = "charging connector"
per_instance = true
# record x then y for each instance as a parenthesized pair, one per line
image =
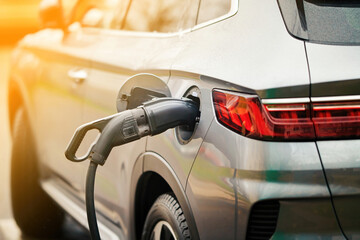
(152, 118)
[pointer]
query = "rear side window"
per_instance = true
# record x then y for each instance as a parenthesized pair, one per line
(211, 9)
(161, 15)
(100, 13)
(323, 21)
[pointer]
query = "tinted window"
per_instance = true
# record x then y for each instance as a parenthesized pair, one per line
(327, 21)
(67, 7)
(161, 15)
(99, 13)
(211, 9)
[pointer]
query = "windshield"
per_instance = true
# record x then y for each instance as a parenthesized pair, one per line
(323, 21)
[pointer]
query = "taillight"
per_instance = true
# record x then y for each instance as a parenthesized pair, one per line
(246, 115)
(337, 119)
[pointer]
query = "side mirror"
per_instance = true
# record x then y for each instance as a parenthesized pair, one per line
(51, 14)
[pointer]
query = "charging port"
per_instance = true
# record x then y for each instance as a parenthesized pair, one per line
(183, 133)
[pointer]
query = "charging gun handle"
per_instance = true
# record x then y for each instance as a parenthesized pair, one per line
(152, 118)
(79, 135)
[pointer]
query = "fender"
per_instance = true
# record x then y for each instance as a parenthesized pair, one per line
(152, 162)
(17, 96)
(21, 78)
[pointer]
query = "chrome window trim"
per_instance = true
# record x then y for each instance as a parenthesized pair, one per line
(285, 100)
(119, 32)
(335, 98)
(233, 10)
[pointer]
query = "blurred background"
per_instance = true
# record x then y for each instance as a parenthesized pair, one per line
(17, 18)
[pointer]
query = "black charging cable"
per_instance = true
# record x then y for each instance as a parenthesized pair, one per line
(152, 118)
(90, 203)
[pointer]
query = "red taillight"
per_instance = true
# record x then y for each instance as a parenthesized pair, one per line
(336, 120)
(246, 115)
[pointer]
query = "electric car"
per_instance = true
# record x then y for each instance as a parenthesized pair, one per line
(275, 153)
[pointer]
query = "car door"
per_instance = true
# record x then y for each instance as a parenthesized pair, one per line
(134, 52)
(58, 95)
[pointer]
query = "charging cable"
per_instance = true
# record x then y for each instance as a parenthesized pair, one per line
(152, 118)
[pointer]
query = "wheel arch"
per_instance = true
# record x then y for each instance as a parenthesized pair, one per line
(153, 176)
(16, 97)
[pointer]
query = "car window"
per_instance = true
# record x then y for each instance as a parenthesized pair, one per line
(161, 15)
(211, 9)
(67, 8)
(323, 21)
(99, 13)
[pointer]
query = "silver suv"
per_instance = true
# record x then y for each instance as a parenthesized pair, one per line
(275, 154)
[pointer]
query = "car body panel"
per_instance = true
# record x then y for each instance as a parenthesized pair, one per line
(248, 171)
(342, 167)
(258, 58)
(227, 179)
(63, 101)
(295, 223)
(335, 72)
(113, 65)
(334, 69)
(179, 155)
(55, 97)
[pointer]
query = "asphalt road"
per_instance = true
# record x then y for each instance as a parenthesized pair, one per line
(8, 227)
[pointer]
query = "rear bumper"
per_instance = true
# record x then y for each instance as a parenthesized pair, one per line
(341, 160)
(307, 219)
(232, 174)
(235, 173)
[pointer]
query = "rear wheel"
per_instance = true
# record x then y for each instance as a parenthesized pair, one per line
(33, 210)
(165, 221)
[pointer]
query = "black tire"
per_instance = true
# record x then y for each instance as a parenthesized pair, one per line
(166, 213)
(34, 212)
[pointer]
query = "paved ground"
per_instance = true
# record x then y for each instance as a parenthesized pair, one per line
(8, 228)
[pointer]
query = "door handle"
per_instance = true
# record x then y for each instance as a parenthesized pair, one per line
(77, 75)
